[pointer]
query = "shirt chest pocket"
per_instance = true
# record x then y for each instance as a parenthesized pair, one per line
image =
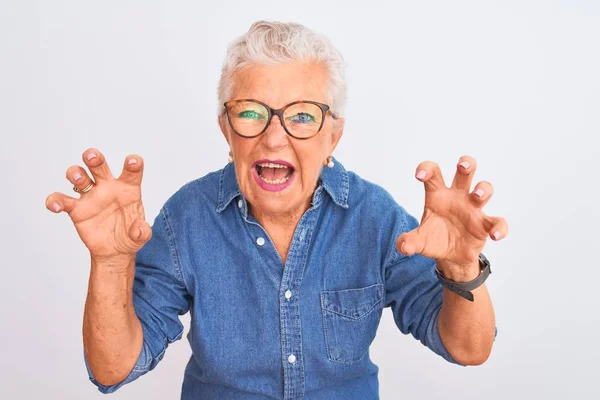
(350, 321)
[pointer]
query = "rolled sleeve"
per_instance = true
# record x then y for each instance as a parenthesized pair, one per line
(159, 298)
(140, 368)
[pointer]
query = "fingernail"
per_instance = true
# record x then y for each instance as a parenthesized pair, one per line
(496, 235)
(421, 174)
(77, 176)
(56, 207)
(402, 247)
(465, 164)
(132, 161)
(479, 192)
(141, 232)
(91, 156)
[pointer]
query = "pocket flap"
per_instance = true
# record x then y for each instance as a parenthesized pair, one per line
(352, 303)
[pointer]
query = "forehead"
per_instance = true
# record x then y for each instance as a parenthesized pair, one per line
(281, 84)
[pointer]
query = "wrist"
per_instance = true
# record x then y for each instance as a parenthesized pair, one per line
(459, 273)
(117, 263)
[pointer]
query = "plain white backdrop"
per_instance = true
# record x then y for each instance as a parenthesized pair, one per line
(513, 83)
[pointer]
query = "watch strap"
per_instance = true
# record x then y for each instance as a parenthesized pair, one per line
(464, 289)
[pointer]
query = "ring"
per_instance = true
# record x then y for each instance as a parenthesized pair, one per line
(85, 189)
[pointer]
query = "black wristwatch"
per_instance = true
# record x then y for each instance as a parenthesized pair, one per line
(464, 288)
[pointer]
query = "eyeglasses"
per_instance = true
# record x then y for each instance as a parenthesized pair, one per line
(301, 119)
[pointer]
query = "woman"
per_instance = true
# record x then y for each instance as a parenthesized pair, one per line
(284, 259)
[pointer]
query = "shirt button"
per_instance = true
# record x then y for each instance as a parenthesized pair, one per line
(288, 294)
(292, 359)
(260, 241)
(240, 203)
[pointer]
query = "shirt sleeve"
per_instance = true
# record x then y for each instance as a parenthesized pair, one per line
(159, 298)
(414, 293)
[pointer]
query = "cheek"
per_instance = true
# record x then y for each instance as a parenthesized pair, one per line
(312, 160)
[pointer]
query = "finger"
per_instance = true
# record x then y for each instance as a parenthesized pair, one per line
(97, 164)
(133, 170)
(58, 202)
(412, 242)
(78, 177)
(465, 169)
(140, 231)
(482, 193)
(430, 174)
(499, 228)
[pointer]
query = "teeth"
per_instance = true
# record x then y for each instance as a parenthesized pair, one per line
(271, 165)
(275, 181)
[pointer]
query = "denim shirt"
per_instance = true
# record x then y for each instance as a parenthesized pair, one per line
(262, 329)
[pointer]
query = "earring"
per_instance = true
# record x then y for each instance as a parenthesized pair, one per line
(230, 156)
(330, 162)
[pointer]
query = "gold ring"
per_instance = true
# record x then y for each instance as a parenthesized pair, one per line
(85, 189)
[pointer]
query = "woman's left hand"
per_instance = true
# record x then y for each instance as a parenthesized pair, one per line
(453, 228)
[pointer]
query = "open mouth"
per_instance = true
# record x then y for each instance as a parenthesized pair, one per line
(274, 173)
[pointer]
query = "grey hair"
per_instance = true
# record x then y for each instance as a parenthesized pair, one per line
(271, 42)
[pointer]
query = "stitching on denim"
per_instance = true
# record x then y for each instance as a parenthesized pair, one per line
(362, 316)
(346, 187)
(300, 250)
(352, 289)
(221, 203)
(325, 329)
(172, 247)
(395, 253)
(327, 347)
(380, 287)
(220, 196)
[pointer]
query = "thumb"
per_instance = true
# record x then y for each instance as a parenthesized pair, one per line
(412, 242)
(140, 231)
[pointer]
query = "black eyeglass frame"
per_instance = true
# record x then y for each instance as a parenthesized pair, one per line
(279, 112)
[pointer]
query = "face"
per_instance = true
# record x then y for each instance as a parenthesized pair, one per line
(274, 156)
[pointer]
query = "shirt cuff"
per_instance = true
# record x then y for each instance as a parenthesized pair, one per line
(140, 368)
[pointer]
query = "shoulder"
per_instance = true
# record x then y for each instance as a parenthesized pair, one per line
(372, 199)
(200, 194)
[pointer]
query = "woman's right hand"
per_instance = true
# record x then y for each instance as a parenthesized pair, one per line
(109, 218)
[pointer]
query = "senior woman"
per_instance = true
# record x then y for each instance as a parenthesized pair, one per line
(284, 259)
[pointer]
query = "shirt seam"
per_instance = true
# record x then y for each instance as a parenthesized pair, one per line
(394, 257)
(172, 246)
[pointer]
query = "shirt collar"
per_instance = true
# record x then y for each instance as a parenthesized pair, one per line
(333, 180)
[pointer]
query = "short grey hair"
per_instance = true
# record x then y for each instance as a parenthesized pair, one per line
(272, 42)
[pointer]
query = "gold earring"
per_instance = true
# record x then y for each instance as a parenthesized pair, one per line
(230, 156)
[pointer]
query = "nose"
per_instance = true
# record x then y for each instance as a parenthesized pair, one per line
(275, 137)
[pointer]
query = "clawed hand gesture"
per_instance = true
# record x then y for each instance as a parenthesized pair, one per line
(454, 228)
(108, 215)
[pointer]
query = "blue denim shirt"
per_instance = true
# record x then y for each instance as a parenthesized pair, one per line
(262, 329)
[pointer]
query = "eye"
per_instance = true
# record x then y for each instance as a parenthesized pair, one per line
(250, 114)
(302, 118)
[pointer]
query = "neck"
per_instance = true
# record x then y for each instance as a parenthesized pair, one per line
(280, 227)
(279, 222)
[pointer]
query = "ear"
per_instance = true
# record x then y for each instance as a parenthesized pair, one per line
(336, 132)
(223, 125)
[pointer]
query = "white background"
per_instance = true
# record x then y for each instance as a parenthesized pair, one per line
(513, 83)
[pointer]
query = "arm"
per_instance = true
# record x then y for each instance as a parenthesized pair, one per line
(135, 291)
(112, 334)
(158, 297)
(453, 232)
(468, 328)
